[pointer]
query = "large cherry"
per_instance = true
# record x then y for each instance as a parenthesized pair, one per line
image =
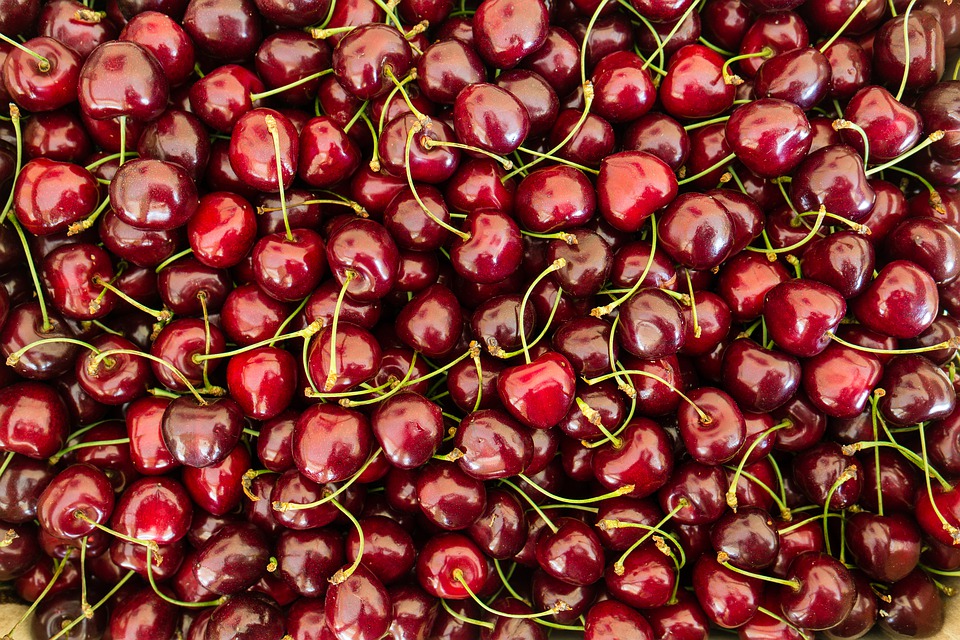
(540, 392)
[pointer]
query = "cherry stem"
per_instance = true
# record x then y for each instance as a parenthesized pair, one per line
(584, 45)
(594, 418)
(704, 418)
(397, 86)
(856, 226)
(952, 343)
(179, 603)
(874, 416)
(164, 315)
(46, 326)
(419, 115)
(607, 525)
(479, 367)
(43, 64)
(311, 329)
(343, 574)
(247, 479)
(724, 559)
(714, 47)
(559, 607)
(86, 223)
(123, 139)
(840, 123)
(705, 123)
(109, 158)
(785, 512)
(324, 33)
(55, 458)
(802, 523)
(66, 628)
(618, 567)
(697, 331)
(340, 200)
(771, 253)
(292, 85)
(532, 503)
(949, 528)
(717, 165)
(416, 128)
(300, 506)
(906, 50)
(332, 371)
(463, 618)
(734, 79)
(935, 200)
(149, 544)
(166, 263)
(84, 605)
(396, 386)
(930, 139)
(6, 462)
(374, 163)
(588, 95)
(14, 357)
(556, 265)
(505, 579)
(850, 473)
(58, 569)
(917, 460)
(275, 134)
(735, 481)
(356, 116)
(676, 27)
(429, 143)
(569, 163)
(656, 38)
(15, 120)
(132, 352)
(599, 312)
(625, 489)
(853, 14)
(800, 632)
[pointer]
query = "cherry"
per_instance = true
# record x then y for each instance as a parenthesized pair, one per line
(232, 559)
(122, 79)
(223, 95)
(363, 258)
(448, 497)
(644, 460)
(655, 186)
(800, 315)
(711, 426)
(833, 177)
(62, 609)
(162, 36)
(802, 76)
(823, 595)
(246, 615)
(540, 392)
(728, 599)
(153, 509)
(916, 606)
(444, 557)
(770, 136)
(264, 148)
(49, 196)
(490, 118)
(327, 154)
(33, 420)
(890, 127)
(651, 325)
(201, 435)
(45, 83)
(257, 381)
(330, 443)
(646, 580)
(493, 445)
(343, 361)
(916, 391)
(929, 243)
(612, 619)
(694, 86)
(572, 553)
(431, 321)
(759, 379)
(924, 46)
(504, 32)
(901, 316)
(289, 266)
(490, 249)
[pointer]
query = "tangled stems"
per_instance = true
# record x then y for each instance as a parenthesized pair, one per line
(297, 506)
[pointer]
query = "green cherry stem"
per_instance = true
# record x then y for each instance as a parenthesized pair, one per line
(297, 506)
(67, 627)
(15, 120)
(58, 569)
(735, 481)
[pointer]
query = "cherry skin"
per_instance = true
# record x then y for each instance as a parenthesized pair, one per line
(448, 497)
(718, 438)
(156, 509)
(505, 32)
(728, 599)
(770, 136)
(839, 380)
(647, 581)
(800, 313)
(931, 244)
(925, 50)
(246, 615)
(818, 469)
(759, 379)
(886, 547)
(916, 391)
(431, 322)
(122, 79)
(162, 36)
(490, 118)
(652, 185)
(833, 177)
(694, 86)
(891, 127)
(539, 393)
(645, 459)
(494, 445)
(409, 428)
(493, 249)
(78, 489)
(36, 89)
(825, 595)
(365, 249)
(362, 56)
(201, 435)
(49, 196)
(916, 606)
(116, 380)
(441, 556)
(572, 554)
(900, 316)
(651, 325)
(844, 260)
(258, 381)
(227, 31)
(289, 267)
(33, 420)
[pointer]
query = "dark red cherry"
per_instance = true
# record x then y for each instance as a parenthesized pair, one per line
(923, 44)
(904, 314)
(931, 244)
(694, 86)
(448, 497)
(255, 154)
(697, 231)
(916, 391)
(122, 79)
(493, 445)
(492, 249)
(759, 379)
(245, 615)
(800, 314)
(711, 426)
(890, 127)
(330, 443)
(823, 472)
(505, 32)
(358, 607)
(226, 31)
(156, 509)
(153, 194)
(728, 599)
(79, 498)
(490, 118)
(162, 35)
(200, 435)
(364, 249)
(801, 76)
(825, 595)
(886, 548)
(839, 380)
(644, 459)
(647, 581)
(770, 136)
(443, 555)
(409, 428)
(33, 420)
(259, 381)
(572, 553)
(49, 196)
(35, 87)
(833, 177)
(290, 267)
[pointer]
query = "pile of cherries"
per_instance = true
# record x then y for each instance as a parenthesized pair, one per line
(442, 319)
